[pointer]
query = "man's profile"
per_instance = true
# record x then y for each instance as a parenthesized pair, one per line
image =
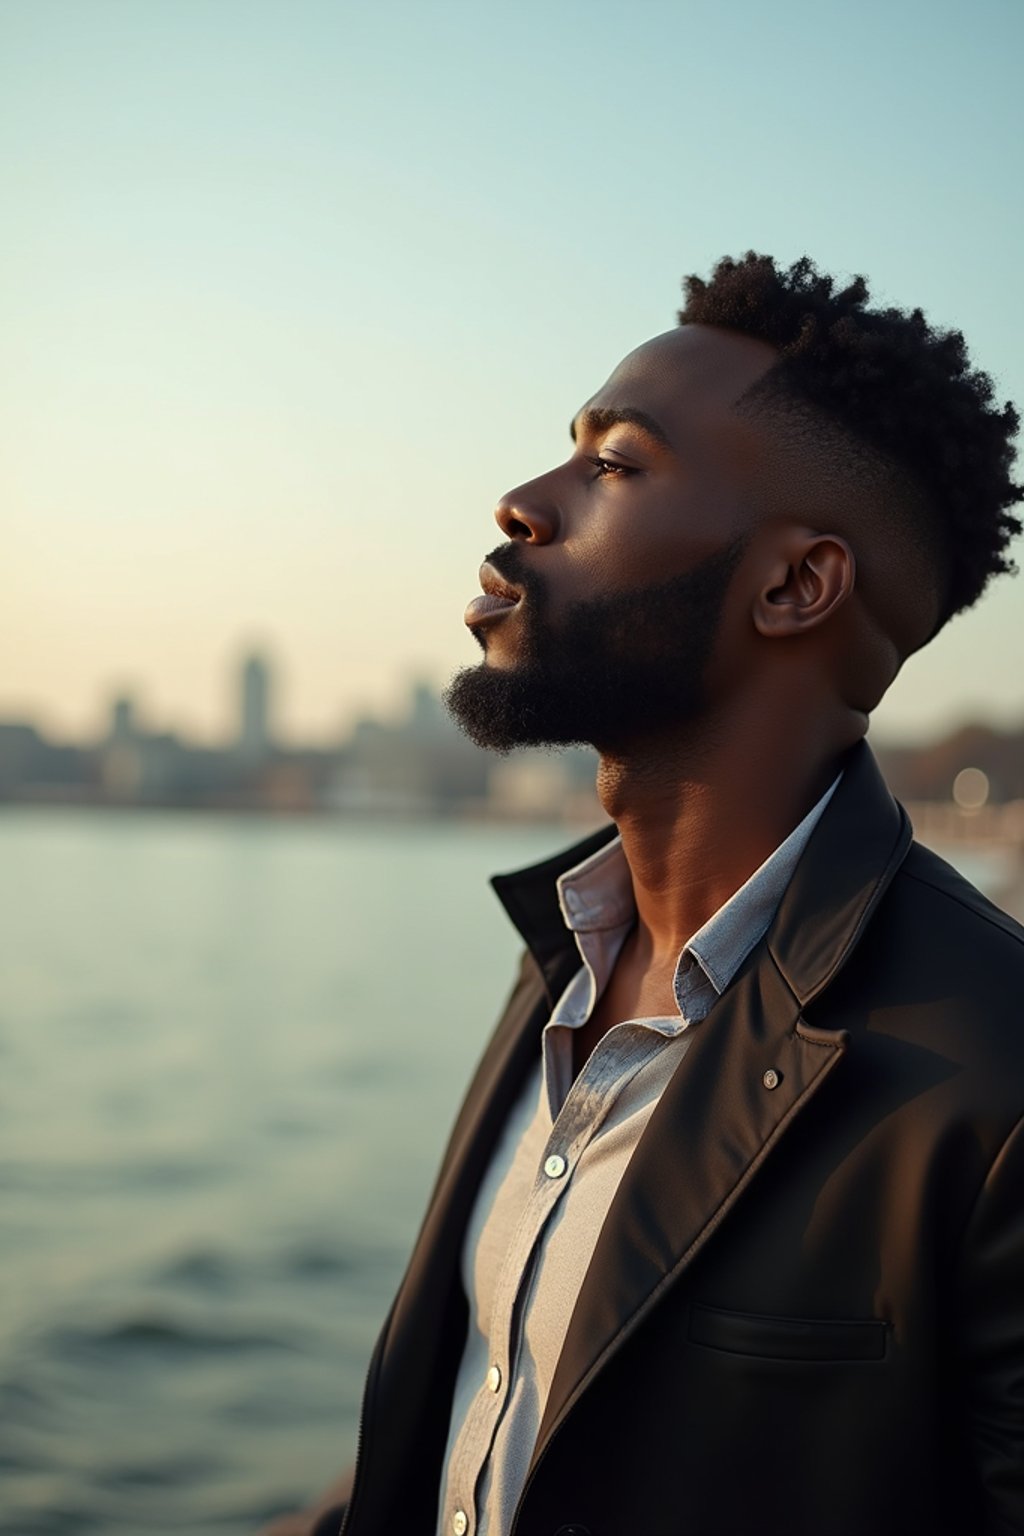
(729, 1235)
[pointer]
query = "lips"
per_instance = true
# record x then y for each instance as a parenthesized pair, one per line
(499, 596)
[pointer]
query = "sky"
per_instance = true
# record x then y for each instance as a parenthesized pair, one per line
(292, 291)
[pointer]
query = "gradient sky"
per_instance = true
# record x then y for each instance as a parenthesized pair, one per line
(291, 291)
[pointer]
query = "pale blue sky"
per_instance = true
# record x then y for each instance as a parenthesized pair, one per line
(291, 291)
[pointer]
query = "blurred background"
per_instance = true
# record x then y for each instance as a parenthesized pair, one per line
(290, 292)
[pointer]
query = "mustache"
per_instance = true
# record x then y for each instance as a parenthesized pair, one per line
(510, 563)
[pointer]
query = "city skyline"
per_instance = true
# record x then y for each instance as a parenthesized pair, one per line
(348, 717)
(130, 703)
(251, 681)
(418, 764)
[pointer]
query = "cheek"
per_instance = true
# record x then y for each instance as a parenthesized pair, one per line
(734, 654)
(653, 544)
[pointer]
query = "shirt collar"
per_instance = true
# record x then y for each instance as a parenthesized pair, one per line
(596, 896)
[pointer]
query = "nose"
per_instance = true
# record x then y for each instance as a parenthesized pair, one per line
(527, 515)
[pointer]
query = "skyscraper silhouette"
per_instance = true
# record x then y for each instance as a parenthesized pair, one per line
(254, 740)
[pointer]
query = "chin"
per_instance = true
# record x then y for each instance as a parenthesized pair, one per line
(501, 707)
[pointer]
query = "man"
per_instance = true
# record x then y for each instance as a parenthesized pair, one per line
(729, 1235)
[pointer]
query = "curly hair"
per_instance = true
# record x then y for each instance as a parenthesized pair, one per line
(888, 380)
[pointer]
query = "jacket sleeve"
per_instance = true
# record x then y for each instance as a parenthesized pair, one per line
(991, 1324)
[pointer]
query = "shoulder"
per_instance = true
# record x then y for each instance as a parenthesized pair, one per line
(940, 968)
(952, 918)
(933, 925)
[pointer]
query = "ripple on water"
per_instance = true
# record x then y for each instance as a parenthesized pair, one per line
(21, 1400)
(16, 1456)
(315, 1262)
(202, 1269)
(74, 1180)
(173, 1471)
(162, 1334)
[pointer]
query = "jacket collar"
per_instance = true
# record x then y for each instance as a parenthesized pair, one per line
(530, 897)
(850, 860)
(857, 846)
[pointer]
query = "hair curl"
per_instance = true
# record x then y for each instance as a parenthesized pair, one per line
(888, 379)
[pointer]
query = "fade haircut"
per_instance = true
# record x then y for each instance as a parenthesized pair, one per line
(899, 391)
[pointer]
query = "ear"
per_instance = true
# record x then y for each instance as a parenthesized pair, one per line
(809, 581)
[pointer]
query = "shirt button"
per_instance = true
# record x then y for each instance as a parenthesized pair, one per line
(494, 1378)
(555, 1166)
(460, 1522)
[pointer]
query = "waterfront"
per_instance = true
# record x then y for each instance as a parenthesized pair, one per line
(230, 1049)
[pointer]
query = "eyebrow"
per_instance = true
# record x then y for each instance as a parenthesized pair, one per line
(598, 419)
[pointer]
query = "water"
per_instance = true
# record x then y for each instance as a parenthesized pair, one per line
(230, 1051)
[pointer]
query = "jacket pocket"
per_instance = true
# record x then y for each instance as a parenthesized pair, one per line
(788, 1338)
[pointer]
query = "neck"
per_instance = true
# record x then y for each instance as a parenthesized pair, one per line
(698, 816)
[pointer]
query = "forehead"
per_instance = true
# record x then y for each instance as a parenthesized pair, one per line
(686, 377)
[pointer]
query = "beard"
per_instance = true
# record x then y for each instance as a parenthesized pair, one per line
(614, 670)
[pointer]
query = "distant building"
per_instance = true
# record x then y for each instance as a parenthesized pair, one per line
(254, 736)
(426, 716)
(32, 768)
(122, 720)
(122, 772)
(24, 755)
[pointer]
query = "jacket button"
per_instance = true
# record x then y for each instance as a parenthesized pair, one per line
(771, 1078)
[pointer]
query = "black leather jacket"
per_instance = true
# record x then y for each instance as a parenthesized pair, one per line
(805, 1312)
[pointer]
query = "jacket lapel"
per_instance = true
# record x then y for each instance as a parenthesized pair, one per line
(530, 897)
(422, 1340)
(489, 1101)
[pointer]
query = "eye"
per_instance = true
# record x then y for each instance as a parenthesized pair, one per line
(607, 469)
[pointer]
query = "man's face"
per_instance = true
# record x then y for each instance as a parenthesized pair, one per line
(601, 617)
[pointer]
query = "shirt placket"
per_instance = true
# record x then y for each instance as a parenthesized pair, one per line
(614, 1063)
